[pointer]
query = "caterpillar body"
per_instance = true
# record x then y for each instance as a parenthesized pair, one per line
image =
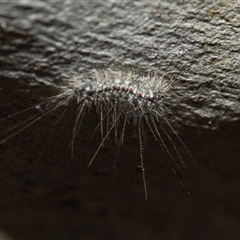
(119, 98)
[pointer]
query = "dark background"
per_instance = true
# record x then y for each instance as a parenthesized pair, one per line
(47, 194)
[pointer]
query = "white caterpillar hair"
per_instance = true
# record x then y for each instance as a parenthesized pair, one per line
(119, 98)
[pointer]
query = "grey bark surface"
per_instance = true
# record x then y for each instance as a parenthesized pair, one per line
(195, 43)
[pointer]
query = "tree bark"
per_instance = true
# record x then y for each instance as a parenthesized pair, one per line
(196, 43)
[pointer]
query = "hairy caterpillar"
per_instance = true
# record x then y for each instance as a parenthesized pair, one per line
(119, 98)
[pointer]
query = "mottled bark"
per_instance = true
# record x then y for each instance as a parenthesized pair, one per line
(196, 43)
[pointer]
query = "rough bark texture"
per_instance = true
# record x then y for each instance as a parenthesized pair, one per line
(196, 43)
